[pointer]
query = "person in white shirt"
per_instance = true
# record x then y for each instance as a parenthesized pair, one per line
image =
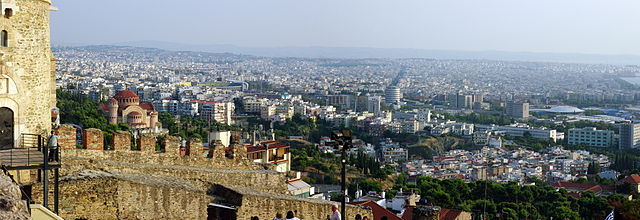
(335, 215)
(290, 216)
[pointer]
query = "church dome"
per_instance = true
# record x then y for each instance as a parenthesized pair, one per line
(125, 94)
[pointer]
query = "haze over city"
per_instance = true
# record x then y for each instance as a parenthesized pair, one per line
(573, 26)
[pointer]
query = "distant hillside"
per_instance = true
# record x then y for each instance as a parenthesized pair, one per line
(361, 52)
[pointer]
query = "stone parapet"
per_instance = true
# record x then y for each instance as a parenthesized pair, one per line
(93, 139)
(171, 145)
(92, 194)
(216, 150)
(195, 148)
(121, 141)
(67, 137)
(251, 202)
(147, 143)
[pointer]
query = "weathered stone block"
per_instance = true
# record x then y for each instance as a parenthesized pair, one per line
(195, 147)
(121, 141)
(93, 139)
(67, 137)
(171, 145)
(147, 143)
(239, 152)
(216, 150)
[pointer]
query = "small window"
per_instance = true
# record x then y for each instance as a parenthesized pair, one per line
(4, 38)
(8, 12)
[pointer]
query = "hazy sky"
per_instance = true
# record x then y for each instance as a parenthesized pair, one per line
(583, 26)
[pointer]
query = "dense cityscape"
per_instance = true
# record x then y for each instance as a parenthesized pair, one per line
(560, 125)
(360, 115)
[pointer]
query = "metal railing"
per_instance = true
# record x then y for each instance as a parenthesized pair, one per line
(29, 156)
(31, 152)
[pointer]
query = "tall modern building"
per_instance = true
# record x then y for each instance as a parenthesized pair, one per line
(342, 102)
(392, 95)
(373, 104)
(629, 135)
(518, 110)
(464, 101)
(478, 97)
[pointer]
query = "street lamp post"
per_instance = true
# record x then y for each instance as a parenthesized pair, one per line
(343, 142)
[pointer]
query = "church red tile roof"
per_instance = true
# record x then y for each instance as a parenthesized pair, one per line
(148, 106)
(104, 107)
(584, 186)
(125, 94)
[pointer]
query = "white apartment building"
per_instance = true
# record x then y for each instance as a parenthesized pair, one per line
(590, 136)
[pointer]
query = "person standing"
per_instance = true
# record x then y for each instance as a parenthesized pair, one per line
(290, 216)
(53, 146)
(278, 217)
(335, 215)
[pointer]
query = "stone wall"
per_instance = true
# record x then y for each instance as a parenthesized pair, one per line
(266, 205)
(199, 171)
(171, 145)
(94, 194)
(121, 141)
(216, 150)
(92, 139)
(146, 143)
(67, 137)
(145, 184)
(195, 147)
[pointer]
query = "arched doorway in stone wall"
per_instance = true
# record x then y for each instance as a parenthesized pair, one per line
(6, 128)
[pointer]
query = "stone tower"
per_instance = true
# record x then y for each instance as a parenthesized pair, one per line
(113, 111)
(27, 71)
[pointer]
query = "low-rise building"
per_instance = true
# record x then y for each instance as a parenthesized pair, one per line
(590, 136)
(394, 153)
(271, 152)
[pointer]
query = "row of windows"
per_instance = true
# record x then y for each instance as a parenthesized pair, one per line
(589, 143)
(4, 35)
(587, 140)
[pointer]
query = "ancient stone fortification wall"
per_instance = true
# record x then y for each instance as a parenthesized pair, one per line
(103, 195)
(253, 203)
(207, 174)
(146, 143)
(67, 137)
(92, 139)
(27, 61)
(121, 141)
(196, 168)
(168, 184)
